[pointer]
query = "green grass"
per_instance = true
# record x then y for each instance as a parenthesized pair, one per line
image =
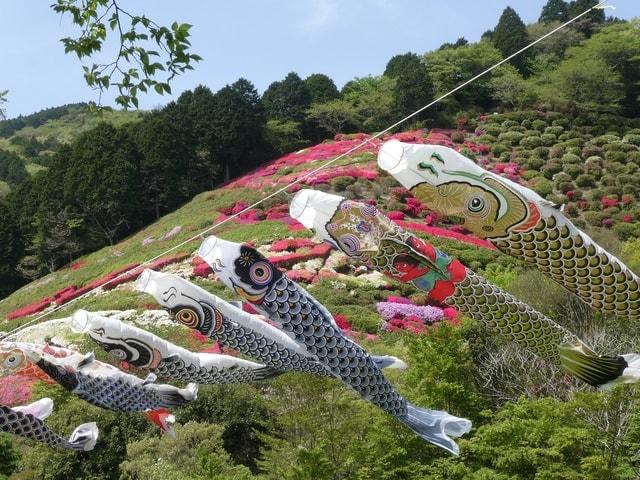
(4, 189)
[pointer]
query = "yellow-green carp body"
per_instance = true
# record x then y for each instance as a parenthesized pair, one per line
(518, 221)
(365, 234)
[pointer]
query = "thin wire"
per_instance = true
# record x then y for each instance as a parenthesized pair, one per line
(308, 174)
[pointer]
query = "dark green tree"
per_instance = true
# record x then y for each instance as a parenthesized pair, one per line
(589, 23)
(12, 168)
(237, 127)
(287, 99)
(554, 11)
(10, 253)
(102, 183)
(413, 88)
(321, 88)
(461, 42)
(168, 155)
(510, 35)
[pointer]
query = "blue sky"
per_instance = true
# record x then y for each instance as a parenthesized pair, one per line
(261, 40)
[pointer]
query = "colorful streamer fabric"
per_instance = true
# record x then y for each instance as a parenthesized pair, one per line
(517, 221)
(364, 233)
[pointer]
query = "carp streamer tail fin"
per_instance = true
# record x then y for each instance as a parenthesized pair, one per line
(267, 372)
(85, 436)
(589, 367)
(436, 427)
(387, 361)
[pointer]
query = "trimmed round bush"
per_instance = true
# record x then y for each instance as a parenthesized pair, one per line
(556, 151)
(591, 151)
(634, 139)
(531, 142)
(457, 137)
(548, 139)
(513, 138)
(551, 168)
(573, 170)
(561, 122)
(586, 180)
(542, 186)
(498, 148)
(604, 139)
(340, 184)
(542, 152)
(571, 158)
(509, 124)
(593, 218)
(536, 163)
(627, 231)
(554, 130)
(530, 174)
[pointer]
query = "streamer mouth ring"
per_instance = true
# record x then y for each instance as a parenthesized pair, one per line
(390, 155)
(207, 246)
(143, 280)
(299, 204)
(80, 321)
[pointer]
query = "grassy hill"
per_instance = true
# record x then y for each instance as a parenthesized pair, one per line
(34, 137)
(538, 150)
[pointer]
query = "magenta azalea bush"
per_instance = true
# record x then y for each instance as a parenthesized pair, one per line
(427, 314)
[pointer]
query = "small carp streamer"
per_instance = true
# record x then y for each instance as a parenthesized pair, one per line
(243, 269)
(518, 221)
(147, 351)
(105, 386)
(28, 422)
(200, 310)
(367, 235)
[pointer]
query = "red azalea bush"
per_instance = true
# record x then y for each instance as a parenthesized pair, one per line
(291, 244)
(608, 202)
(78, 265)
(395, 215)
(30, 309)
(301, 276)
(318, 251)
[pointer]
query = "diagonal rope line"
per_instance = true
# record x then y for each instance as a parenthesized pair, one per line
(311, 172)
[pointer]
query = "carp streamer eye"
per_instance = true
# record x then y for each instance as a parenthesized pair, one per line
(119, 353)
(188, 317)
(476, 204)
(12, 361)
(260, 273)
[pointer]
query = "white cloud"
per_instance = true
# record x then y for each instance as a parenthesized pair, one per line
(320, 14)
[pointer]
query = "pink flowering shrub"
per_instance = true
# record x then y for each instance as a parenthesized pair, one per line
(291, 244)
(441, 232)
(301, 276)
(396, 299)
(426, 314)
(15, 390)
(395, 215)
(287, 260)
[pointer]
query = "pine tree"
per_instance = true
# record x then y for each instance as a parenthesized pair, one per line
(510, 36)
(287, 99)
(413, 88)
(321, 88)
(591, 21)
(554, 11)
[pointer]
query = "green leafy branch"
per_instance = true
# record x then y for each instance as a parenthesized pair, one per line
(136, 68)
